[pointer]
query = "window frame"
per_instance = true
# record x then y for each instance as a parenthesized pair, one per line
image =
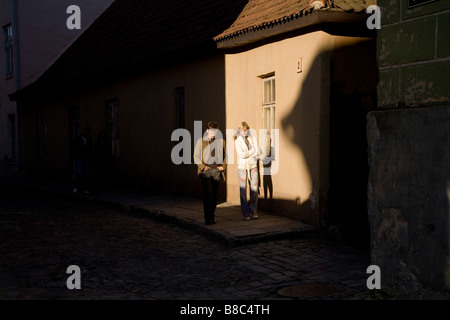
(8, 47)
(269, 105)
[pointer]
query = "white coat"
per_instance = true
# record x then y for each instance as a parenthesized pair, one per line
(247, 157)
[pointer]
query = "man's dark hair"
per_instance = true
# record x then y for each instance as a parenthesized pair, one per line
(213, 125)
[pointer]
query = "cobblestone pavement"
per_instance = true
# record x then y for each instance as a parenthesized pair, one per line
(125, 255)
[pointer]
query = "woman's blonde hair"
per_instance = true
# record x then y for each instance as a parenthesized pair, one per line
(242, 125)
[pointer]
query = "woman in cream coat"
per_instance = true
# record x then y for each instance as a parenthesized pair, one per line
(247, 151)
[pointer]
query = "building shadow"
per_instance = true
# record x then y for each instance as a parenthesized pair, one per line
(339, 173)
(133, 53)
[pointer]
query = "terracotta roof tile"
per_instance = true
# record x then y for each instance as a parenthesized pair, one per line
(354, 5)
(259, 13)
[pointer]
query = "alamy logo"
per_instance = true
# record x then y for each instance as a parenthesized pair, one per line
(374, 281)
(374, 21)
(74, 281)
(268, 147)
(74, 21)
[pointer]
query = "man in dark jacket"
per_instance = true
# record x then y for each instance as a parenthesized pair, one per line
(82, 152)
(210, 158)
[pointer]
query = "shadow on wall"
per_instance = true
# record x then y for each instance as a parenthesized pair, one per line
(336, 153)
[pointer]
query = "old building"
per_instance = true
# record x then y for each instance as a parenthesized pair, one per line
(305, 69)
(34, 34)
(321, 66)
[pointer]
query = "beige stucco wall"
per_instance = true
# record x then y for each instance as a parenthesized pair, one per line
(302, 116)
(301, 99)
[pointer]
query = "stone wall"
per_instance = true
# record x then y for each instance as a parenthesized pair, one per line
(414, 54)
(408, 197)
(409, 149)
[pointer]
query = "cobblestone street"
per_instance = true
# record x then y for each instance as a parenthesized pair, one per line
(126, 255)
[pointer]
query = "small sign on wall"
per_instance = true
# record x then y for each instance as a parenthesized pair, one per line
(416, 3)
(299, 65)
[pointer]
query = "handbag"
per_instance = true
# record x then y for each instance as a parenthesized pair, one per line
(213, 173)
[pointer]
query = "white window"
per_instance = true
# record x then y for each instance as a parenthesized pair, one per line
(269, 114)
(9, 51)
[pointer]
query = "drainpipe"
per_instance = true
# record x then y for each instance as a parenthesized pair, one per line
(15, 18)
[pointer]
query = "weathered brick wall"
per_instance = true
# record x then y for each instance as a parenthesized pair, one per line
(414, 54)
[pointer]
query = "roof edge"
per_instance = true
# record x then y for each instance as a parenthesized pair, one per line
(299, 14)
(314, 18)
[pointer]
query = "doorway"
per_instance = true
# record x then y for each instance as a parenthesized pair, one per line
(353, 95)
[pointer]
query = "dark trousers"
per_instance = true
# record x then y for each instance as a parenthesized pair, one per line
(210, 188)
